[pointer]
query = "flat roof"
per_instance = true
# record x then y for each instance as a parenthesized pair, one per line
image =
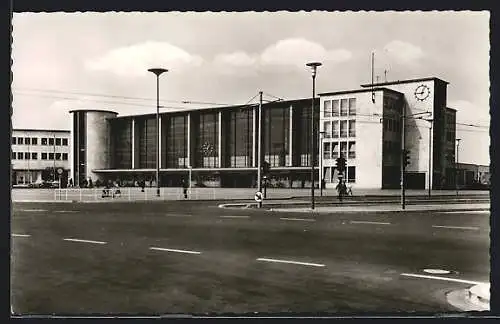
(40, 130)
(404, 81)
(358, 91)
(93, 110)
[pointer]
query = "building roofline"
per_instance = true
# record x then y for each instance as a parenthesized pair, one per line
(94, 110)
(358, 91)
(41, 130)
(451, 109)
(404, 81)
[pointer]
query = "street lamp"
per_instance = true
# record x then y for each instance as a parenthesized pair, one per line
(456, 167)
(321, 158)
(157, 72)
(313, 66)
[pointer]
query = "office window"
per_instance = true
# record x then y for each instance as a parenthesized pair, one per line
(352, 106)
(65, 142)
(327, 129)
(34, 141)
(19, 155)
(343, 107)
(327, 150)
(58, 141)
(352, 128)
(352, 150)
(51, 141)
(44, 156)
(20, 140)
(58, 156)
(335, 129)
(44, 141)
(65, 156)
(327, 108)
(335, 150)
(34, 156)
(343, 149)
(335, 108)
(14, 142)
(351, 174)
(13, 155)
(27, 141)
(26, 155)
(51, 156)
(327, 174)
(343, 128)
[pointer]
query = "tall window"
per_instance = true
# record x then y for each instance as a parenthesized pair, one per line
(51, 141)
(177, 141)
(58, 156)
(352, 150)
(44, 156)
(44, 140)
(343, 128)
(26, 155)
(13, 156)
(328, 108)
(65, 156)
(327, 153)
(239, 139)
(20, 140)
(27, 141)
(34, 141)
(352, 106)
(121, 130)
(208, 145)
(14, 140)
(327, 128)
(20, 155)
(276, 135)
(343, 107)
(335, 150)
(335, 129)
(58, 141)
(34, 156)
(64, 141)
(351, 174)
(51, 156)
(147, 142)
(343, 149)
(352, 128)
(335, 108)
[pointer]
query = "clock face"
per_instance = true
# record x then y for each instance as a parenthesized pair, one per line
(422, 92)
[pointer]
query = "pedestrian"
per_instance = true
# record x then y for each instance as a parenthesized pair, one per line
(185, 188)
(143, 184)
(341, 189)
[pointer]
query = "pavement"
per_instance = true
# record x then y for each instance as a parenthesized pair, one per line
(385, 208)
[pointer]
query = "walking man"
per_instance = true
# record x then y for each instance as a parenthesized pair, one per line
(185, 188)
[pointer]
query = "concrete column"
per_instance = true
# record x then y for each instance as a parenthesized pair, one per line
(71, 146)
(219, 149)
(290, 138)
(254, 138)
(189, 162)
(132, 121)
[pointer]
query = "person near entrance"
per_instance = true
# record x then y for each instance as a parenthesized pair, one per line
(185, 187)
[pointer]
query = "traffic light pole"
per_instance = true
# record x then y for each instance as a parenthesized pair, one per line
(403, 155)
(259, 149)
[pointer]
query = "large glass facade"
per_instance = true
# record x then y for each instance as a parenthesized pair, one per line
(302, 134)
(239, 138)
(146, 132)
(79, 146)
(276, 135)
(121, 130)
(175, 145)
(207, 141)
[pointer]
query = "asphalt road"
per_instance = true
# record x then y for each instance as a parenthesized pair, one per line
(192, 257)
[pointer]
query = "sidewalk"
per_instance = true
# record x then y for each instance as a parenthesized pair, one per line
(385, 207)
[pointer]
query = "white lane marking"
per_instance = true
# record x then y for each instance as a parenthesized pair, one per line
(66, 211)
(33, 210)
(291, 262)
(436, 271)
(174, 250)
(21, 235)
(457, 227)
(234, 216)
(442, 278)
(298, 219)
(466, 212)
(177, 215)
(84, 241)
(367, 222)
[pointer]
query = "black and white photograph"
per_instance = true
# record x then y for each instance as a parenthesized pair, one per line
(250, 163)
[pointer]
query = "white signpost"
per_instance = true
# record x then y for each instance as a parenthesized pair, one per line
(258, 196)
(59, 171)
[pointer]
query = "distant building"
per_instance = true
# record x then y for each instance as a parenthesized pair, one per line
(39, 153)
(220, 145)
(473, 175)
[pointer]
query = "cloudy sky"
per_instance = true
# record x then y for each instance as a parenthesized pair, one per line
(63, 61)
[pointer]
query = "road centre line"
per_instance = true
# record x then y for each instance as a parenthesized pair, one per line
(84, 241)
(298, 219)
(178, 215)
(367, 222)
(65, 211)
(21, 235)
(441, 278)
(235, 216)
(33, 210)
(466, 212)
(291, 262)
(174, 250)
(472, 228)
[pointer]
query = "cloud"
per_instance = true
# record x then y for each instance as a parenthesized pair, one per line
(238, 58)
(136, 59)
(468, 112)
(299, 51)
(403, 52)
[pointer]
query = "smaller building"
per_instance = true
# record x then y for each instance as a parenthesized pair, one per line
(38, 154)
(473, 176)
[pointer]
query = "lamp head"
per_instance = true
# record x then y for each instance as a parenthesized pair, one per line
(157, 71)
(313, 66)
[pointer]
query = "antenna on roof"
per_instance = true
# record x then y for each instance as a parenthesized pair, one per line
(377, 78)
(385, 75)
(373, 64)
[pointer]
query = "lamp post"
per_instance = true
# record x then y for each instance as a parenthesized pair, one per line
(157, 72)
(321, 157)
(456, 167)
(313, 66)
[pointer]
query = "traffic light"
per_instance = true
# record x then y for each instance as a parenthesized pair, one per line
(406, 157)
(341, 164)
(266, 167)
